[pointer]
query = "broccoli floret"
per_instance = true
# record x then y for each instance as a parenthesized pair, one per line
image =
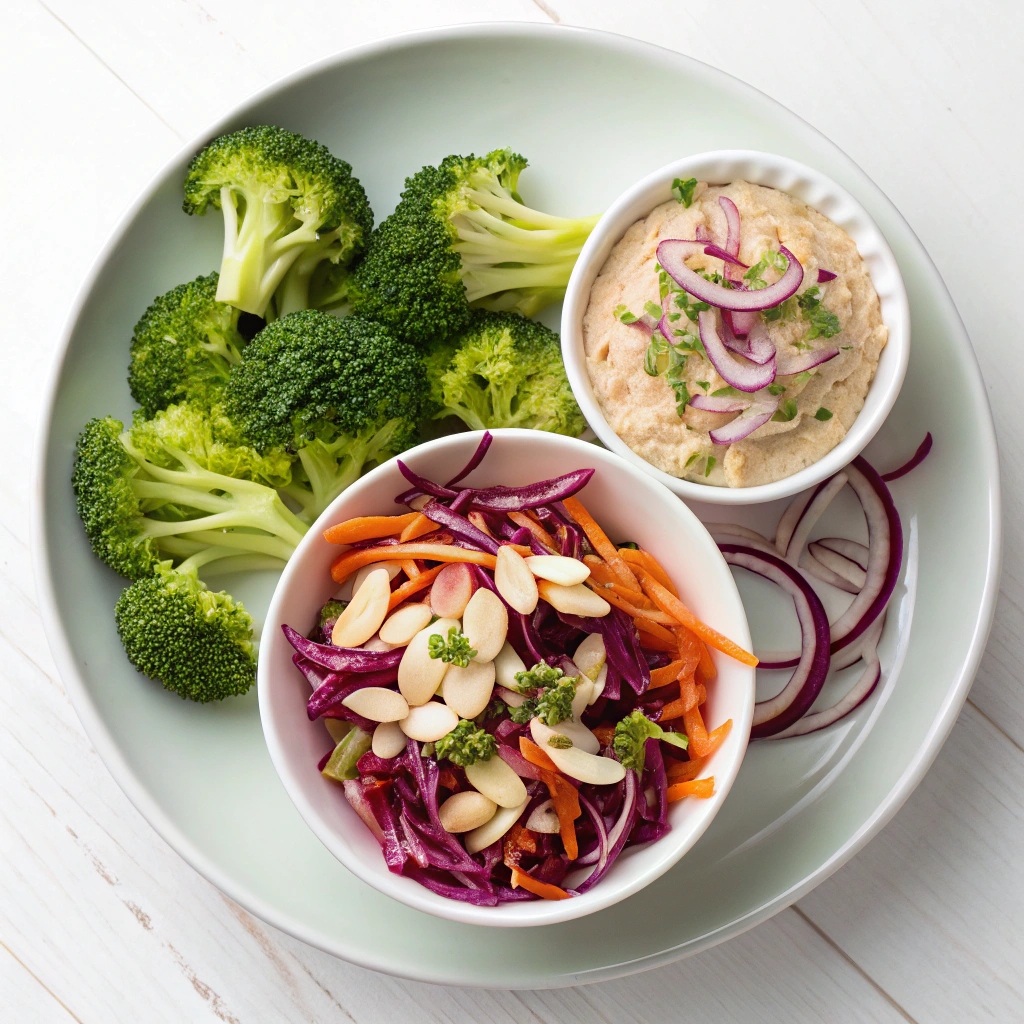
(465, 745)
(184, 347)
(342, 393)
(197, 643)
(137, 512)
(453, 651)
(462, 236)
(503, 370)
(551, 705)
(288, 206)
(633, 732)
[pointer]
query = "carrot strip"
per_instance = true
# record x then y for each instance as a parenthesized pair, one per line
(666, 674)
(545, 890)
(564, 796)
(521, 519)
(702, 788)
(686, 702)
(601, 544)
(696, 732)
(702, 694)
(652, 642)
(689, 648)
(413, 586)
(647, 561)
(410, 568)
(674, 607)
(684, 771)
(417, 528)
(706, 665)
(535, 755)
(346, 564)
(654, 614)
(367, 528)
(648, 625)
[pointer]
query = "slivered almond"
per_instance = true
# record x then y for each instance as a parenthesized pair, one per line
(419, 675)
(576, 600)
(515, 581)
(465, 811)
(491, 831)
(388, 740)
(393, 569)
(429, 722)
(577, 763)
(378, 704)
(451, 590)
(401, 626)
(497, 781)
(543, 818)
(506, 665)
(485, 623)
(365, 612)
(566, 572)
(590, 655)
(467, 691)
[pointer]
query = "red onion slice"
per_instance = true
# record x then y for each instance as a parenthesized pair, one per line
(825, 276)
(744, 424)
(823, 496)
(672, 254)
(741, 324)
(726, 257)
(732, 533)
(719, 403)
(851, 549)
(787, 524)
(801, 362)
(820, 571)
(789, 705)
(916, 459)
(745, 376)
(732, 241)
(846, 568)
(756, 346)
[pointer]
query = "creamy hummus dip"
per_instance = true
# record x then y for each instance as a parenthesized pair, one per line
(816, 408)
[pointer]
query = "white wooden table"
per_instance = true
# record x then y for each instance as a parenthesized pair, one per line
(101, 922)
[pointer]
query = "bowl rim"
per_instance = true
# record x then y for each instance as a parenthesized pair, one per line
(758, 167)
(407, 891)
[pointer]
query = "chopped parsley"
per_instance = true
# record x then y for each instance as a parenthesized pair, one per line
(652, 309)
(823, 414)
(705, 384)
(755, 275)
(786, 411)
(683, 190)
(621, 313)
(691, 460)
(551, 705)
(823, 322)
(454, 651)
(776, 389)
(724, 392)
(710, 465)
(785, 310)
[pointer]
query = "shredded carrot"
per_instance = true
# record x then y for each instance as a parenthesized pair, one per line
(666, 674)
(367, 528)
(601, 544)
(647, 561)
(689, 648)
(543, 889)
(648, 625)
(413, 586)
(651, 641)
(631, 609)
(417, 528)
(696, 732)
(707, 666)
(535, 755)
(680, 613)
(521, 519)
(518, 841)
(686, 702)
(346, 564)
(683, 771)
(702, 788)
(448, 779)
(410, 568)
(564, 796)
(702, 694)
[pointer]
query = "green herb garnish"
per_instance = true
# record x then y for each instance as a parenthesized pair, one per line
(786, 411)
(823, 322)
(454, 651)
(755, 275)
(776, 389)
(710, 465)
(559, 742)
(621, 313)
(823, 414)
(683, 190)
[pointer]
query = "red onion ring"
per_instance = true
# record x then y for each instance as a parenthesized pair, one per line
(757, 346)
(916, 459)
(733, 235)
(791, 703)
(787, 524)
(824, 495)
(672, 254)
(744, 376)
(849, 549)
(719, 403)
(821, 571)
(845, 568)
(726, 257)
(746, 423)
(801, 362)
(741, 324)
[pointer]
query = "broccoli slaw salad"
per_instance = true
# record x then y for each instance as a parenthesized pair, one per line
(512, 698)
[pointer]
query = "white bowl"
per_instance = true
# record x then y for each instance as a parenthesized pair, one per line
(630, 505)
(817, 191)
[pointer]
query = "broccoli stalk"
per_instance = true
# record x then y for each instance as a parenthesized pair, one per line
(340, 393)
(461, 235)
(465, 745)
(197, 643)
(503, 370)
(633, 732)
(137, 512)
(282, 197)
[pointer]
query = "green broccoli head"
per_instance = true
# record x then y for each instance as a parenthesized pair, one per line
(196, 642)
(184, 347)
(212, 440)
(342, 393)
(462, 236)
(465, 745)
(287, 203)
(633, 732)
(504, 370)
(106, 502)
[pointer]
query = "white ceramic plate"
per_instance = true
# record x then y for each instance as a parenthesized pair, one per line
(800, 808)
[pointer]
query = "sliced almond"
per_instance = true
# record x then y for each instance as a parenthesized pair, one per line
(451, 590)
(465, 811)
(599, 682)
(401, 626)
(419, 675)
(378, 704)
(365, 612)
(506, 665)
(576, 600)
(429, 722)
(393, 569)
(497, 781)
(376, 644)
(566, 572)
(576, 732)
(388, 740)
(490, 832)
(485, 623)
(544, 819)
(584, 693)
(515, 581)
(467, 691)
(590, 655)
(577, 763)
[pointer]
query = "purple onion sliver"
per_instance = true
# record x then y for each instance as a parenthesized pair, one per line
(825, 276)
(719, 403)
(916, 459)
(519, 499)
(720, 254)
(741, 324)
(744, 424)
(801, 362)
(745, 376)
(423, 484)
(460, 527)
(342, 659)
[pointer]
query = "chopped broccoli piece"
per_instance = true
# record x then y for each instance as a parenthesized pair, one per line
(343, 394)
(137, 512)
(453, 651)
(462, 236)
(633, 732)
(465, 745)
(175, 630)
(553, 701)
(288, 206)
(503, 370)
(326, 620)
(538, 677)
(183, 347)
